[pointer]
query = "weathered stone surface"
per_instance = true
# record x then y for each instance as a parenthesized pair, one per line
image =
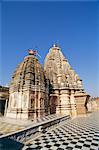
(66, 82)
(93, 104)
(28, 93)
(35, 92)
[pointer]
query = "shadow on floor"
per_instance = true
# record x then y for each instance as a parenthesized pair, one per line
(9, 144)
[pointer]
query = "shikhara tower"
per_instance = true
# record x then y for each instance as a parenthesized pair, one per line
(67, 95)
(29, 90)
(36, 92)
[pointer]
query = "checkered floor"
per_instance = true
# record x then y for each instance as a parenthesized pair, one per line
(81, 133)
(8, 125)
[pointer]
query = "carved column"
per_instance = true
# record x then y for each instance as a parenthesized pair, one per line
(73, 103)
(65, 102)
(39, 109)
(58, 103)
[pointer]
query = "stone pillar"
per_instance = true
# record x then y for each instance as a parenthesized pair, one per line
(6, 103)
(65, 102)
(58, 107)
(35, 105)
(39, 109)
(73, 103)
(56, 94)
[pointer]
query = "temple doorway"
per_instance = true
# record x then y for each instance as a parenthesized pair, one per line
(2, 106)
(53, 102)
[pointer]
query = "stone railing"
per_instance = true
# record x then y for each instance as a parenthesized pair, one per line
(28, 133)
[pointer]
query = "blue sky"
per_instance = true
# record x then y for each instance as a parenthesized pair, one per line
(73, 25)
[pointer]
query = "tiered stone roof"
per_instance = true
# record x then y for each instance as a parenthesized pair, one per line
(28, 74)
(59, 71)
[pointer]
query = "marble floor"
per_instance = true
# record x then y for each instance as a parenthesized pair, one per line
(8, 128)
(80, 133)
(8, 125)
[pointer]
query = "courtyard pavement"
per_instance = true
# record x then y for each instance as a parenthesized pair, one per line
(8, 125)
(80, 133)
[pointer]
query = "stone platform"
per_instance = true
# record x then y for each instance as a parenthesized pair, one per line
(19, 137)
(80, 133)
(9, 125)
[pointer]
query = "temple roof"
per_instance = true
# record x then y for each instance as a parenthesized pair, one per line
(59, 71)
(27, 74)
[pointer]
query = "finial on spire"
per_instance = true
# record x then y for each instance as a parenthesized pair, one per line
(33, 52)
(56, 46)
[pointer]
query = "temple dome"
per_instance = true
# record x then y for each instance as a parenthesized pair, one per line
(59, 71)
(28, 90)
(27, 74)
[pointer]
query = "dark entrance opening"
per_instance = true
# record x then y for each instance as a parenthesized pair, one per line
(53, 100)
(2, 106)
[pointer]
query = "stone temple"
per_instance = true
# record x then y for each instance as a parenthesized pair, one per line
(55, 89)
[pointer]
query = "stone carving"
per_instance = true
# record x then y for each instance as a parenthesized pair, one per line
(57, 85)
(28, 78)
(59, 71)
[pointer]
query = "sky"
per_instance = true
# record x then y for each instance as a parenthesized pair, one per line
(37, 25)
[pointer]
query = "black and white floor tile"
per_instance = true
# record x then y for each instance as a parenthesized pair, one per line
(81, 133)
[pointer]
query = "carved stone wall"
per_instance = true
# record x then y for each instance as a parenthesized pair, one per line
(28, 91)
(66, 81)
(35, 92)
